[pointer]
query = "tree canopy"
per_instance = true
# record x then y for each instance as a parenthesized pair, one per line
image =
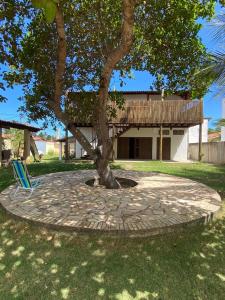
(166, 44)
(83, 47)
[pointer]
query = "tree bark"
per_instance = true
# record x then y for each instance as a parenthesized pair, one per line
(104, 149)
(55, 104)
(105, 146)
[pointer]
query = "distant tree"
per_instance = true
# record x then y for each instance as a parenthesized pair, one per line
(210, 130)
(17, 141)
(84, 43)
(41, 134)
(49, 137)
(220, 123)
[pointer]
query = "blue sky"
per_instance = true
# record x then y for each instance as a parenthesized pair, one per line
(142, 81)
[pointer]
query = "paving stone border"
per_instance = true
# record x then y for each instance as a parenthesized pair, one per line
(160, 203)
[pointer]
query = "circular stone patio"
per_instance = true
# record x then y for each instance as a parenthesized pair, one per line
(158, 204)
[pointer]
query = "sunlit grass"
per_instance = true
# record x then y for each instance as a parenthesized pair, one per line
(36, 263)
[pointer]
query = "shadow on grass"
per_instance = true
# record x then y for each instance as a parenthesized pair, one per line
(43, 264)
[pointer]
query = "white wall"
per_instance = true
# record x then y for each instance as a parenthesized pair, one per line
(223, 117)
(41, 146)
(179, 143)
(223, 108)
(88, 132)
(193, 133)
(222, 134)
(179, 146)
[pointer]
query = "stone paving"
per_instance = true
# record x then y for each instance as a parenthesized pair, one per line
(158, 204)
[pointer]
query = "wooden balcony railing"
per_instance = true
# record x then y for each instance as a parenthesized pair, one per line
(168, 112)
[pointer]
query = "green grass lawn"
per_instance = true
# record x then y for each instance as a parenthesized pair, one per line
(36, 263)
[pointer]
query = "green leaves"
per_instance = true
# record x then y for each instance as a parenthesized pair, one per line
(49, 7)
(50, 11)
(38, 3)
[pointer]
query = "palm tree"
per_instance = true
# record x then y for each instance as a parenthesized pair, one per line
(217, 58)
(220, 123)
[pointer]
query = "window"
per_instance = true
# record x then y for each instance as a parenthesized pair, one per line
(178, 132)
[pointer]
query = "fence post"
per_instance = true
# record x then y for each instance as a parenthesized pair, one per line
(200, 143)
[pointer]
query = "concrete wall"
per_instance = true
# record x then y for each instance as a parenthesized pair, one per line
(213, 152)
(222, 134)
(52, 147)
(44, 147)
(193, 133)
(41, 146)
(89, 133)
(223, 117)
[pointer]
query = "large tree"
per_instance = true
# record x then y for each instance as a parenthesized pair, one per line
(80, 46)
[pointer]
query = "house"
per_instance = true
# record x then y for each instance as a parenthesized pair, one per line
(29, 145)
(214, 136)
(150, 127)
(71, 147)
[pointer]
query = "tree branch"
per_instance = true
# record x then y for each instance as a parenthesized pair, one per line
(61, 55)
(55, 104)
(123, 48)
(126, 41)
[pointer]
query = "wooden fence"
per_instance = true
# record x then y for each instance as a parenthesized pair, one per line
(211, 152)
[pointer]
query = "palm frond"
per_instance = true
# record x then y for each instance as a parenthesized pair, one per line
(219, 123)
(217, 67)
(218, 25)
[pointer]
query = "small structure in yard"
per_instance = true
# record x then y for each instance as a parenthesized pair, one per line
(67, 147)
(29, 144)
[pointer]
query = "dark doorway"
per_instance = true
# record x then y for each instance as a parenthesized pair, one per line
(123, 148)
(166, 148)
(134, 148)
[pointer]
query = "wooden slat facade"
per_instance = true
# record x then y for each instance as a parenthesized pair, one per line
(174, 112)
(168, 113)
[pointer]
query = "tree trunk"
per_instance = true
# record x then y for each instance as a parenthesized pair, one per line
(105, 145)
(104, 149)
(106, 177)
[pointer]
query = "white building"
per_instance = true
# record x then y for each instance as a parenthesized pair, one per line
(46, 146)
(138, 127)
(223, 117)
(193, 132)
